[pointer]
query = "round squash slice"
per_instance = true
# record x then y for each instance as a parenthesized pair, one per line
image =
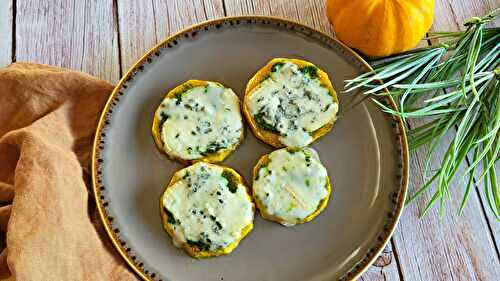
(207, 210)
(290, 186)
(290, 103)
(198, 121)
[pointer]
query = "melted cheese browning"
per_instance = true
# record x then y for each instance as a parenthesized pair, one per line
(292, 103)
(200, 121)
(207, 207)
(291, 185)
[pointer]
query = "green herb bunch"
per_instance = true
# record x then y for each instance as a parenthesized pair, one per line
(453, 85)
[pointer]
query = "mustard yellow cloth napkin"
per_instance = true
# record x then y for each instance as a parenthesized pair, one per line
(48, 217)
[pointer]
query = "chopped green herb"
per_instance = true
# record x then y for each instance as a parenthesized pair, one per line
(307, 157)
(277, 66)
(170, 217)
(178, 98)
(163, 117)
(231, 181)
(218, 224)
(178, 95)
(212, 147)
(308, 95)
(201, 245)
(259, 119)
(308, 183)
(264, 169)
(205, 90)
(310, 70)
(204, 237)
(204, 127)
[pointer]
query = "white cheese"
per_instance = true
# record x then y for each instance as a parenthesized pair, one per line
(206, 208)
(292, 185)
(201, 121)
(293, 103)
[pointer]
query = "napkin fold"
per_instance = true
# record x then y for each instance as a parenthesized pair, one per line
(50, 225)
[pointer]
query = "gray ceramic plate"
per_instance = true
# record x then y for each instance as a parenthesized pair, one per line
(365, 154)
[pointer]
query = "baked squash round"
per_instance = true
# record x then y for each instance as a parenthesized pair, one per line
(198, 121)
(207, 210)
(290, 103)
(290, 186)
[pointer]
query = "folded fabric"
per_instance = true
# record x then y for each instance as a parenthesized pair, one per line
(51, 229)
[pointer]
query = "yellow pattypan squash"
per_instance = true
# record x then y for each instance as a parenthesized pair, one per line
(380, 27)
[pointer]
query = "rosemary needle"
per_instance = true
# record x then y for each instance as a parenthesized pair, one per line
(451, 86)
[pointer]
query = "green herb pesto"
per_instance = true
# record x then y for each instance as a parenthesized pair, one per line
(310, 70)
(308, 159)
(178, 97)
(170, 217)
(200, 244)
(212, 147)
(163, 117)
(264, 169)
(277, 66)
(231, 181)
(259, 119)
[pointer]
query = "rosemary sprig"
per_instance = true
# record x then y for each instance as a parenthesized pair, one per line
(454, 85)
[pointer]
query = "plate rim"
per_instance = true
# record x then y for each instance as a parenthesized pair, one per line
(98, 144)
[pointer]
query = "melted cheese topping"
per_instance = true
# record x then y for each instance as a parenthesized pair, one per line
(201, 121)
(207, 207)
(292, 103)
(292, 184)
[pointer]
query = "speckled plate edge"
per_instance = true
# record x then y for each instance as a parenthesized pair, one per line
(102, 202)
